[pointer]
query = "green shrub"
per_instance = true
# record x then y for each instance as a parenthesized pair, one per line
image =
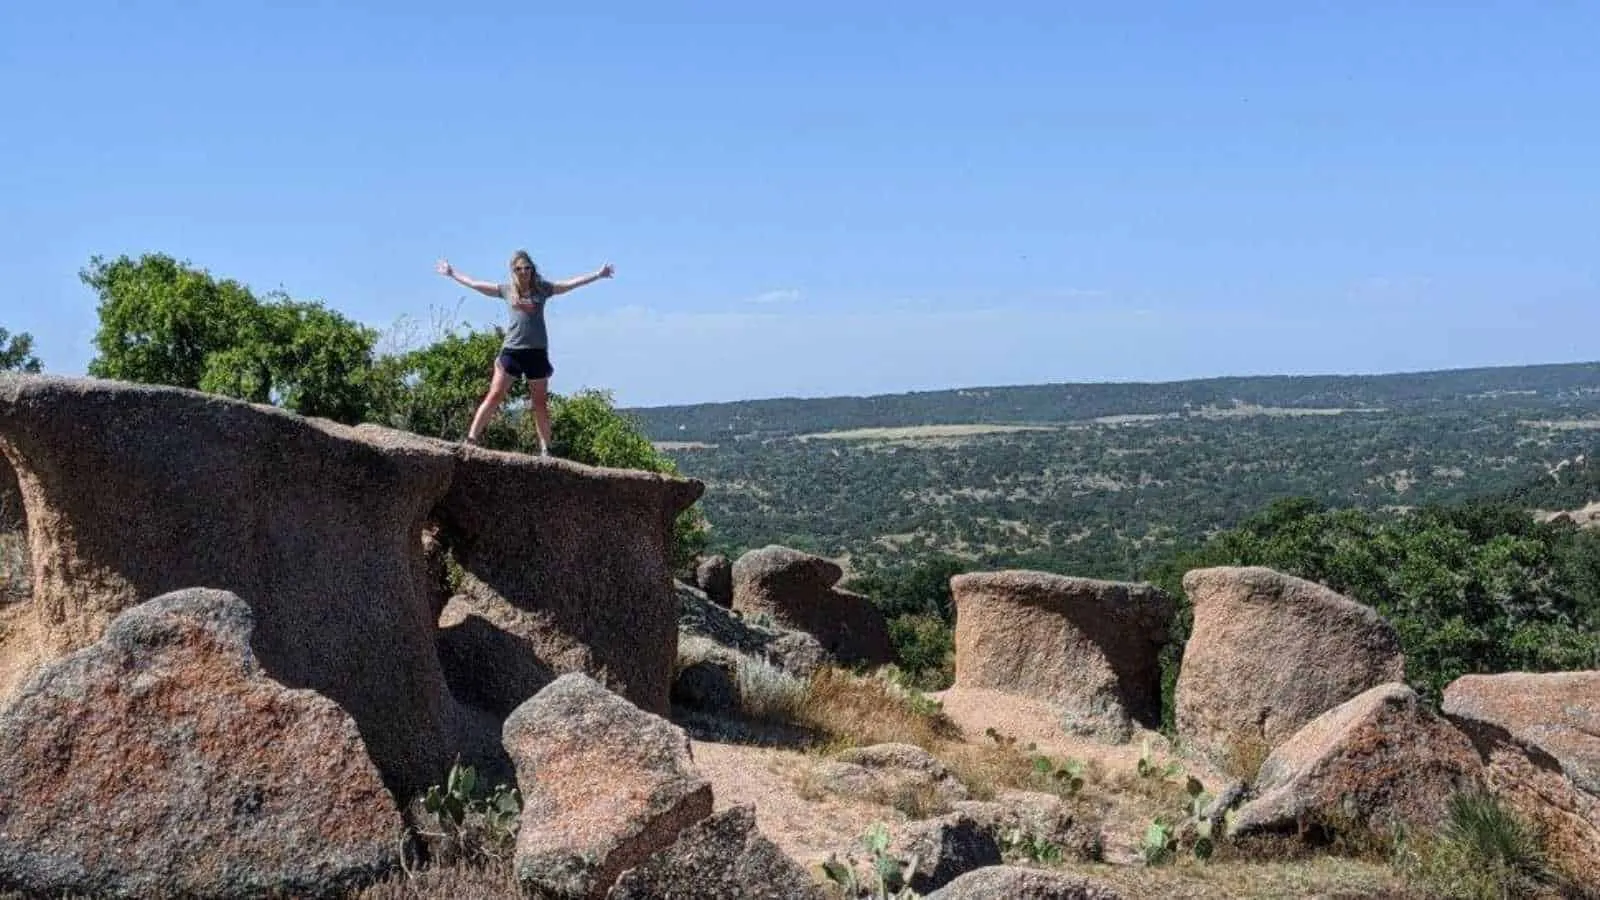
(1484, 851)
(926, 649)
(469, 822)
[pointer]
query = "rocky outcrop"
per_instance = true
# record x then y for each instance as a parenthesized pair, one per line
(895, 774)
(1556, 713)
(1532, 785)
(723, 856)
(1537, 738)
(316, 526)
(1090, 647)
(945, 849)
(572, 562)
(1042, 816)
(791, 652)
(162, 761)
(797, 591)
(11, 518)
(714, 575)
(1269, 653)
(1018, 883)
(605, 786)
(1377, 760)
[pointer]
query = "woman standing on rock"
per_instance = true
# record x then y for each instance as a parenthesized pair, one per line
(526, 350)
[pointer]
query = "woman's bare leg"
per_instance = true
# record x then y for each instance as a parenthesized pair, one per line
(499, 386)
(539, 399)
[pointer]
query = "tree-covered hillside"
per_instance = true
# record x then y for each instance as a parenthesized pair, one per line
(1105, 479)
(1503, 388)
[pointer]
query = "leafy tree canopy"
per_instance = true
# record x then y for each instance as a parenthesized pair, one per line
(16, 353)
(165, 322)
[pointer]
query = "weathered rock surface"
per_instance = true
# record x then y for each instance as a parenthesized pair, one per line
(723, 856)
(1557, 713)
(1018, 883)
(714, 575)
(161, 761)
(890, 773)
(945, 849)
(707, 686)
(11, 518)
(572, 562)
(605, 785)
(1043, 816)
(1532, 784)
(1269, 653)
(1090, 647)
(487, 660)
(316, 526)
(1379, 759)
(792, 652)
(797, 591)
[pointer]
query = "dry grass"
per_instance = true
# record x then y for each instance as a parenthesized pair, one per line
(694, 649)
(857, 711)
(914, 800)
(487, 881)
(1327, 878)
(768, 694)
(1244, 758)
(1164, 794)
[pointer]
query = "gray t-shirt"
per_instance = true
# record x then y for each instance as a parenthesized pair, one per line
(527, 330)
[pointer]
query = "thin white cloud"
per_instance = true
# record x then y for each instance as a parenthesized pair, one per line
(784, 295)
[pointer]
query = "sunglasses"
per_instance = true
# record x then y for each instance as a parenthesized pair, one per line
(522, 268)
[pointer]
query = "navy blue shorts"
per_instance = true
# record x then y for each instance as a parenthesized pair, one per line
(532, 364)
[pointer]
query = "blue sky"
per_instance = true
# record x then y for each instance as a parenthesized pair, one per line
(835, 197)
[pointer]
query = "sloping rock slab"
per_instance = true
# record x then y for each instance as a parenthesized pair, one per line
(1269, 653)
(161, 761)
(792, 652)
(605, 785)
(1556, 712)
(1018, 883)
(797, 590)
(723, 856)
(1379, 759)
(946, 848)
(1091, 647)
(1533, 784)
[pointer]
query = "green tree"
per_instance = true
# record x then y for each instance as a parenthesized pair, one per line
(163, 322)
(1469, 588)
(918, 587)
(160, 320)
(16, 353)
(434, 390)
(588, 428)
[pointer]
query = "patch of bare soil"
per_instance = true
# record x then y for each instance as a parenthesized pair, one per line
(806, 828)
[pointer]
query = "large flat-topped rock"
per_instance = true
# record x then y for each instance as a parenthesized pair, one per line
(132, 491)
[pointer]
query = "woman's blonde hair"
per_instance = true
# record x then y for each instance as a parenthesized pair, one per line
(533, 276)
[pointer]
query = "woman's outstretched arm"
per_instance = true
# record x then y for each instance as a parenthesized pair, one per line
(486, 288)
(561, 287)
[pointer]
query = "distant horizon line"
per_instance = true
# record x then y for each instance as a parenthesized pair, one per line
(1125, 382)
